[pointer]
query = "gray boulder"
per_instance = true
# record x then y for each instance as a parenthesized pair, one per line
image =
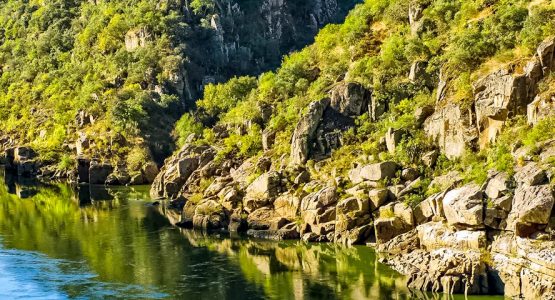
(464, 206)
(373, 172)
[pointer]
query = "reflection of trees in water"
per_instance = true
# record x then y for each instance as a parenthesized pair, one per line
(130, 242)
(295, 270)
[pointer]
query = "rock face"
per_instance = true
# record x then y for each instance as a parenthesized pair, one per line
(178, 169)
(532, 207)
(262, 191)
(498, 96)
(350, 99)
(304, 134)
(452, 129)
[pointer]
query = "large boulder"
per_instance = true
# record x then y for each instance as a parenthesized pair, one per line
(464, 206)
(210, 215)
(304, 134)
(262, 191)
(530, 175)
(373, 172)
(317, 209)
(436, 235)
(287, 206)
(350, 99)
(531, 209)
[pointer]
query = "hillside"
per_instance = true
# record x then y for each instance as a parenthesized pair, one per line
(426, 127)
(106, 80)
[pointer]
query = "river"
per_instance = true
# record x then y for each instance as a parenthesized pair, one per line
(59, 241)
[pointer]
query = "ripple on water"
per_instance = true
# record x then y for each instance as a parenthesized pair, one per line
(31, 275)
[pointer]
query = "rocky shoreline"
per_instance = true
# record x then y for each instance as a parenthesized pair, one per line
(467, 238)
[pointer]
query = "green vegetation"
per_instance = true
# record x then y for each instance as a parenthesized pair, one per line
(375, 47)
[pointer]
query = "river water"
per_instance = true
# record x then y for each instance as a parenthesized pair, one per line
(78, 242)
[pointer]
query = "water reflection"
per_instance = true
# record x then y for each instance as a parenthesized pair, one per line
(125, 247)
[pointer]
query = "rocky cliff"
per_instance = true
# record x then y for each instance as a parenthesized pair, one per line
(448, 172)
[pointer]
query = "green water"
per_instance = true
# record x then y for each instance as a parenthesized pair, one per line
(60, 241)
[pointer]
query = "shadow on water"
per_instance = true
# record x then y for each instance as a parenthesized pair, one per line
(95, 242)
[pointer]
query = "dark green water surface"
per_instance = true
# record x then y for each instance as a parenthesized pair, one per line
(63, 242)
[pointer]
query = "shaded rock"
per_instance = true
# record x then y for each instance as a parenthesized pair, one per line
(409, 174)
(268, 139)
(83, 165)
(498, 186)
(432, 207)
(422, 113)
(541, 108)
(429, 159)
(401, 244)
(216, 186)
(349, 98)
(230, 197)
(210, 215)
(99, 172)
(288, 232)
(150, 171)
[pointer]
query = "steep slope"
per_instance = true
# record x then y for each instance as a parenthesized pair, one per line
(107, 79)
(424, 126)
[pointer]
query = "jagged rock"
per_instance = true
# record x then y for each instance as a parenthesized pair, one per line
(409, 174)
(418, 73)
(265, 218)
(136, 38)
(263, 164)
(373, 172)
(415, 15)
(304, 136)
(464, 206)
(546, 54)
(99, 172)
(541, 108)
(241, 174)
(497, 96)
(317, 208)
(427, 209)
(287, 206)
(262, 191)
(137, 179)
(230, 197)
(216, 186)
(429, 159)
(443, 270)
(401, 244)
(268, 139)
(531, 174)
(392, 138)
(498, 186)
(422, 113)
(526, 267)
(178, 169)
(452, 129)
(350, 99)
(446, 181)
(303, 177)
(287, 232)
(532, 207)
(353, 221)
